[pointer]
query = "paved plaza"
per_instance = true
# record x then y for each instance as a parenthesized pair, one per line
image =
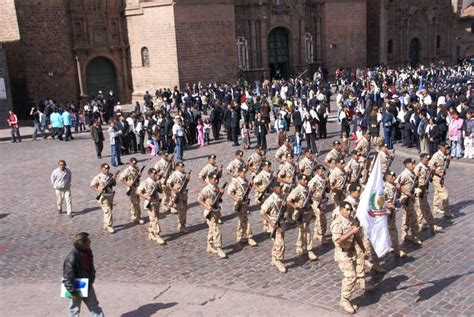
(137, 277)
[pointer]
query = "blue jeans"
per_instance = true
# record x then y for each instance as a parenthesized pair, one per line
(456, 150)
(387, 135)
(179, 149)
(115, 154)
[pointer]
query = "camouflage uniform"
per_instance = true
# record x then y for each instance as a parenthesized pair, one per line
(233, 168)
(164, 167)
(207, 196)
(332, 156)
(208, 169)
(319, 206)
(304, 242)
(441, 198)
(389, 195)
(180, 199)
(306, 167)
(269, 207)
(336, 179)
(409, 220)
(281, 153)
(262, 181)
(106, 200)
(128, 176)
(422, 206)
(254, 162)
(147, 187)
(286, 171)
(237, 188)
(353, 168)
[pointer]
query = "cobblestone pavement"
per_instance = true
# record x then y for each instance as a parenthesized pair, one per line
(436, 279)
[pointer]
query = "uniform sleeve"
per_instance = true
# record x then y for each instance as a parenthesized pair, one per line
(232, 188)
(141, 188)
(202, 197)
(124, 175)
(203, 173)
(266, 206)
(336, 231)
(95, 182)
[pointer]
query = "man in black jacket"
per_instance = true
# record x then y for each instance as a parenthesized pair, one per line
(80, 264)
(97, 137)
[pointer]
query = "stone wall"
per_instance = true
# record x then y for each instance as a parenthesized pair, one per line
(8, 23)
(345, 24)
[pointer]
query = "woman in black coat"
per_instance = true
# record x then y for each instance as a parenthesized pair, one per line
(261, 131)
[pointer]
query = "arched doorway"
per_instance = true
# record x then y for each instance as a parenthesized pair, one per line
(278, 53)
(414, 52)
(100, 75)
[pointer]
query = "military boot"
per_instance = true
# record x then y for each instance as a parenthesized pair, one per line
(312, 256)
(279, 265)
(252, 242)
(110, 230)
(211, 249)
(435, 229)
(378, 268)
(221, 254)
(413, 239)
(346, 306)
(159, 240)
(448, 215)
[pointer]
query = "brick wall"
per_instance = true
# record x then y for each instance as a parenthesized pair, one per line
(346, 28)
(154, 29)
(42, 64)
(205, 40)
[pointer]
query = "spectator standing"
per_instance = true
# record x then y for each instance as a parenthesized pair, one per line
(469, 135)
(310, 134)
(67, 121)
(97, 137)
(56, 125)
(388, 120)
(80, 264)
(178, 138)
(15, 129)
(114, 138)
(261, 131)
(455, 135)
(61, 181)
(234, 126)
(39, 120)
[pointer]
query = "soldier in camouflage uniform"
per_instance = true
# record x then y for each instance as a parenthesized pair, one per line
(422, 207)
(164, 167)
(441, 197)
(409, 220)
(334, 155)
(254, 163)
(107, 198)
(307, 164)
(320, 185)
(262, 182)
(149, 190)
(385, 157)
(179, 195)
(206, 197)
(283, 150)
(302, 216)
(233, 168)
(345, 235)
(390, 194)
(211, 167)
(236, 191)
(336, 181)
(286, 173)
(127, 178)
(353, 167)
(269, 213)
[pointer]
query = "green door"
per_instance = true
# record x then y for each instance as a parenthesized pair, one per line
(100, 75)
(278, 53)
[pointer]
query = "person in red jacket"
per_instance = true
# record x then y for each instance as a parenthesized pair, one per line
(13, 122)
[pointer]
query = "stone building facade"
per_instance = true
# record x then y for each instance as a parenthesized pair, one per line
(70, 49)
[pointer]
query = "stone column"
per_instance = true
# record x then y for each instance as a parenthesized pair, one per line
(253, 45)
(80, 78)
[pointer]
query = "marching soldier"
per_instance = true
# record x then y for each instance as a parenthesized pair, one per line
(269, 213)
(364, 145)
(286, 173)
(334, 155)
(177, 183)
(164, 167)
(302, 215)
(307, 164)
(336, 182)
(262, 182)
(211, 167)
(345, 235)
(407, 180)
(390, 193)
(353, 198)
(353, 168)
(206, 198)
(320, 186)
(422, 207)
(233, 168)
(236, 192)
(130, 177)
(103, 184)
(441, 198)
(254, 163)
(283, 150)
(385, 157)
(149, 190)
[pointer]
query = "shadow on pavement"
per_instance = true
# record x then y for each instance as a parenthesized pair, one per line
(3, 215)
(438, 286)
(124, 226)
(86, 211)
(386, 286)
(148, 309)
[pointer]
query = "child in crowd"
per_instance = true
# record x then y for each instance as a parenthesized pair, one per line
(207, 130)
(81, 121)
(245, 137)
(200, 130)
(297, 144)
(468, 133)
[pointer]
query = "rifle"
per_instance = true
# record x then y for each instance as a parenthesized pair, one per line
(267, 188)
(245, 197)
(345, 182)
(370, 163)
(108, 184)
(280, 215)
(156, 189)
(135, 181)
(219, 174)
(429, 179)
(412, 190)
(215, 204)
(445, 167)
(167, 171)
(392, 157)
(306, 202)
(185, 183)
